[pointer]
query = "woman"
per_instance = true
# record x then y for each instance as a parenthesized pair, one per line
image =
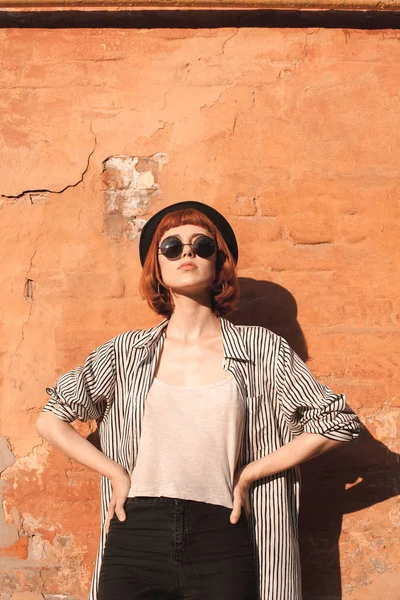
(205, 506)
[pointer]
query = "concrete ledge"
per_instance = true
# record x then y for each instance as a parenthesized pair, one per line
(71, 18)
(375, 5)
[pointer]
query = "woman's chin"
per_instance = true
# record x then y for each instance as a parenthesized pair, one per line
(195, 292)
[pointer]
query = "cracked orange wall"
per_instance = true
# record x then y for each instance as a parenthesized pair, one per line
(294, 135)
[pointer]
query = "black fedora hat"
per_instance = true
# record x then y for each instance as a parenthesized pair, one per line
(216, 217)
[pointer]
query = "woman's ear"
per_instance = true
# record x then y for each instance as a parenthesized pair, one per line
(221, 258)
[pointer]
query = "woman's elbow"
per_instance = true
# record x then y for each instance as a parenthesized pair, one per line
(45, 423)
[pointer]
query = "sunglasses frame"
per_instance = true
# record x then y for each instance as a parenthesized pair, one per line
(191, 244)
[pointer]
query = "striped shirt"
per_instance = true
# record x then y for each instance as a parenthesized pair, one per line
(282, 398)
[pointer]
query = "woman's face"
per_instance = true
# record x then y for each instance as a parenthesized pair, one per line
(178, 274)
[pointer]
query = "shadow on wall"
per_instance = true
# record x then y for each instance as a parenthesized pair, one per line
(350, 478)
(273, 306)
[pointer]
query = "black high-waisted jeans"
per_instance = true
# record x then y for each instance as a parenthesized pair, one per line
(169, 548)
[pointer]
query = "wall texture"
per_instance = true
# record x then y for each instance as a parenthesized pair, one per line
(294, 135)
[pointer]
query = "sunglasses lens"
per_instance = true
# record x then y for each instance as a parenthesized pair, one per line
(171, 247)
(204, 246)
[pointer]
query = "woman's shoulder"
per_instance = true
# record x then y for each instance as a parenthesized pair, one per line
(134, 337)
(259, 341)
(130, 338)
(257, 333)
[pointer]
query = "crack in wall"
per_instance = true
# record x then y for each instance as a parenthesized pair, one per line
(22, 337)
(253, 103)
(70, 185)
(305, 48)
(188, 66)
(163, 126)
(28, 290)
(28, 294)
(289, 69)
(28, 287)
(227, 40)
(226, 89)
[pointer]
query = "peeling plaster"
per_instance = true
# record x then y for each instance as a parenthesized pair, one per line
(15, 525)
(7, 458)
(39, 549)
(35, 460)
(8, 531)
(135, 227)
(131, 181)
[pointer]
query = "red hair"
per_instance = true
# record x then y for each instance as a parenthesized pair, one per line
(225, 288)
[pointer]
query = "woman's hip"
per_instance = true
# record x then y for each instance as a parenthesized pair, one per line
(176, 525)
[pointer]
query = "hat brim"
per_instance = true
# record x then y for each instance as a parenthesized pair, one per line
(214, 215)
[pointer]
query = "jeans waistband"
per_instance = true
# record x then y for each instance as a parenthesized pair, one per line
(151, 499)
(163, 500)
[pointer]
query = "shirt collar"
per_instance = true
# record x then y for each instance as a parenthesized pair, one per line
(233, 343)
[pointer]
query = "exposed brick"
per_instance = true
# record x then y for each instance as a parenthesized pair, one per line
(310, 228)
(27, 596)
(13, 579)
(374, 367)
(130, 183)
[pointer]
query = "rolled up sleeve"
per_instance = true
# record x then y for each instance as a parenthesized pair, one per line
(84, 393)
(310, 406)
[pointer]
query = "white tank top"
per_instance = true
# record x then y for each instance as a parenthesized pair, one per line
(190, 442)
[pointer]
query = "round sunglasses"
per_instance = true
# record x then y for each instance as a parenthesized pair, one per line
(172, 247)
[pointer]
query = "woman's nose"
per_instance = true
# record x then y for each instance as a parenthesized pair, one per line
(187, 250)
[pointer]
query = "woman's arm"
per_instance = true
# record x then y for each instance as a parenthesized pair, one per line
(64, 437)
(318, 419)
(86, 393)
(308, 405)
(302, 448)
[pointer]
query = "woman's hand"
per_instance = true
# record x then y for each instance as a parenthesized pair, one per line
(241, 498)
(121, 483)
